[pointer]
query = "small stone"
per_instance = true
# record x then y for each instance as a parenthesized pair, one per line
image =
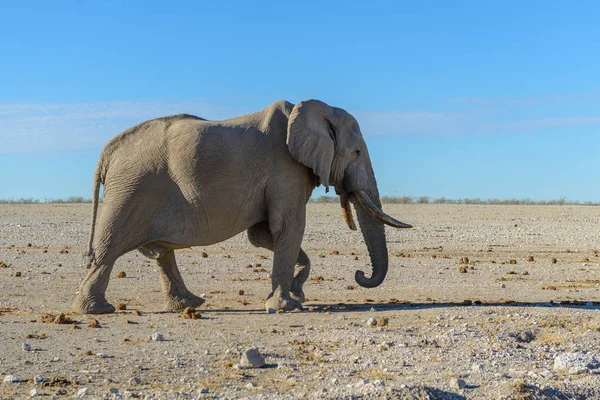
(38, 379)
(462, 270)
(81, 392)
(203, 390)
(113, 390)
(553, 260)
(137, 313)
(103, 355)
(512, 261)
(503, 285)
(456, 383)
(251, 358)
(121, 274)
(11, 379)
(371, 322)
(17, 274)
(576, 362)
(251, 385)
(241, 292)
(335, 253)
(26, 347)
(157, 337)
(530, 259)
(477, 367)
(121, 306)
(204, 254)
(33, 392)
(382, 321)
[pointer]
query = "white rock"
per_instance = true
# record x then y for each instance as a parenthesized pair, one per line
(103, 355)
(33, 393)
(81, 393)
(38, 379)
(456, 383)
(371, 322)
(157, 337)
(11, 379)
(251, 385)
(578, 362)
(578, 370)
(251, 358)
(477, 367)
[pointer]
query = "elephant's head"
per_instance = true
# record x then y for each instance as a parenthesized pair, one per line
(328, 141)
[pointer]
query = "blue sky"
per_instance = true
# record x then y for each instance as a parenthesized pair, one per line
(488, 99)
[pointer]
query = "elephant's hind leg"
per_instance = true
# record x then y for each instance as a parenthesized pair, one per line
(260, 236)
(91, 296)
(177, 296)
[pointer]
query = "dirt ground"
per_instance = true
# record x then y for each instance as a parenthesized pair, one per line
(518, 318)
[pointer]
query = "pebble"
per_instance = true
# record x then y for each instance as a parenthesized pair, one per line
(251, 358)
(38, 379)
(134, 381)
(251, 385)
(26, 347)
(371, 322)
(33, 393)
(456, 383)
(203, 390)
(81, 393)
(11, 379)
(477, 367)
(575, 363)
(157, 337)
(113, 390)
(103, 355)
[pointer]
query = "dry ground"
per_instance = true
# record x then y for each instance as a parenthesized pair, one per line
(434, 345)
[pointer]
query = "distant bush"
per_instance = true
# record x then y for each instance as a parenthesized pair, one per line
(469, 201)
(68, 200)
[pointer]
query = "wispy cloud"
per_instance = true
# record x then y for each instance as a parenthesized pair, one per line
(488, 116)
(78, 126)
(73, 126)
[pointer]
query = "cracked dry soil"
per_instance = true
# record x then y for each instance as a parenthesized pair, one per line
(478, 303)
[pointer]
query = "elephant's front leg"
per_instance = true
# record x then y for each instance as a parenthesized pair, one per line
(287, 240)
(260, 236)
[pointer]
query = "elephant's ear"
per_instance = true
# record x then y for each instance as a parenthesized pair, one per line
(309, 137)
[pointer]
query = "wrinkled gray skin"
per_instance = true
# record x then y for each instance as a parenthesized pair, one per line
(183, 181)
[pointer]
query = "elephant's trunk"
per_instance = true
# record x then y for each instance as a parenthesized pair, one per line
(374, 234)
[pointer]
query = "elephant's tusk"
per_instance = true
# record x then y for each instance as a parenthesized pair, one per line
(376, 212)
(347, 212)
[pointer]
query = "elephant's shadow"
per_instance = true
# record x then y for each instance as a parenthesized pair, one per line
(404, 306)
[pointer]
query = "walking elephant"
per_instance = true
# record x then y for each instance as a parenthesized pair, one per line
(183, 181)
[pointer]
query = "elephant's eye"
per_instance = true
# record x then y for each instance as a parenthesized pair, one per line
(357, 152)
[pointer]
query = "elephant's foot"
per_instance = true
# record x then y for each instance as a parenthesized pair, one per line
(275, 303)
(297, 293)
(179, 302)
(92, 305)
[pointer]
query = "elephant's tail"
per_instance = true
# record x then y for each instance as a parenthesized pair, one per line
(96, 193)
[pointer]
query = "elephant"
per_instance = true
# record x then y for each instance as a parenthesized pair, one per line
(182, 181)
